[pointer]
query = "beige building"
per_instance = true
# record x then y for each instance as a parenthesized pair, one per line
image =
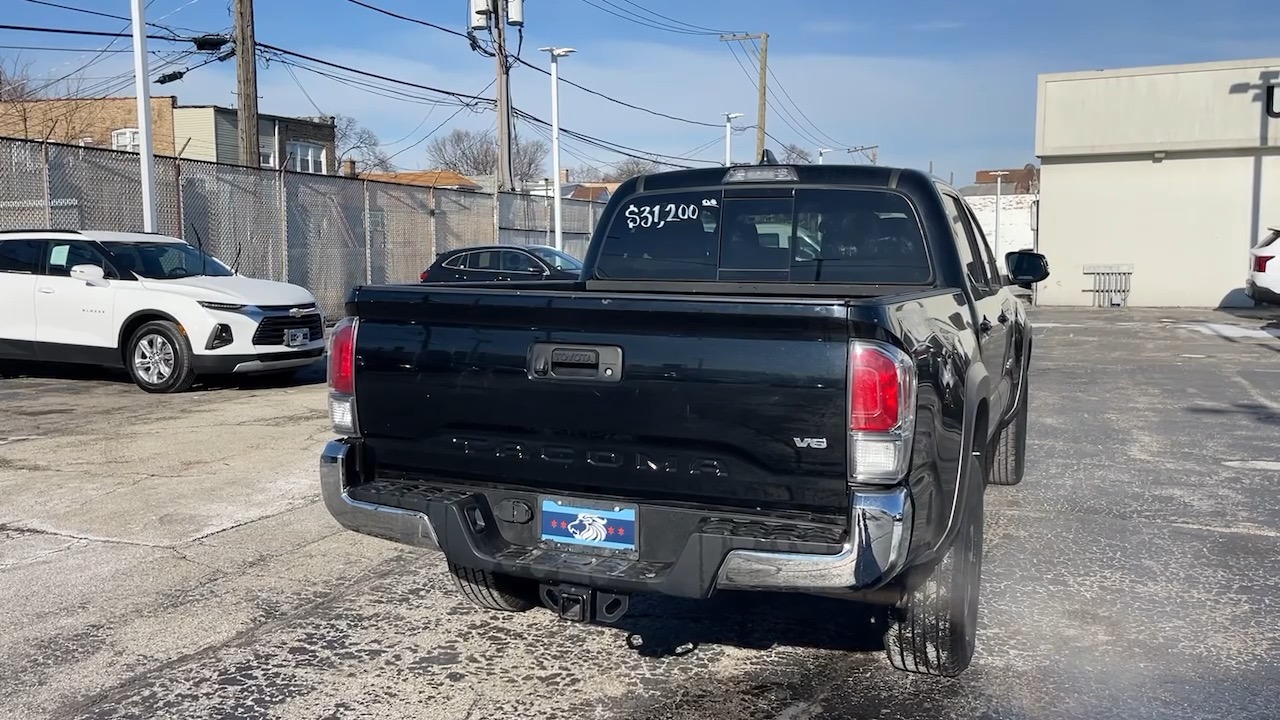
(194, 132)
(1156, 181)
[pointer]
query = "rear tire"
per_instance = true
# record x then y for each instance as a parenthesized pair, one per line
(936, 632)
(1009, 451)
(159, 358)
(494, 591)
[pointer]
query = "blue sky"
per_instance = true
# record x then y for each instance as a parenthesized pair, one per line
(925, 80)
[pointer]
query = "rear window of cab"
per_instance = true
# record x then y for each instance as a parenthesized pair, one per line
(819, 235)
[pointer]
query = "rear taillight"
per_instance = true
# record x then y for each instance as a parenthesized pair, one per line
(882, 400)
(1260, 262)
(342, 376)
(423, 276)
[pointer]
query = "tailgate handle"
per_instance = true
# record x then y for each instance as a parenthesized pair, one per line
(592, 363)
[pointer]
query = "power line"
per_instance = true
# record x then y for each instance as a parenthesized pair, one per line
(778, 84)
(91, 33)
(645, 22)
(406, 18)
(86, 51)
(623, 103)
(436, 129)
(597, 142)
(675, 21)
(366, 73)
(785, 115)
(105, 15)
(612, 147)
(541, 69)
(379, 90)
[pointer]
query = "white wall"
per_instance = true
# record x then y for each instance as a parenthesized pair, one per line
(1185, 225)
(1206, 106)
(1016, 222)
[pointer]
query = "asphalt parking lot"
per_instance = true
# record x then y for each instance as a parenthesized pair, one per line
(168, 556)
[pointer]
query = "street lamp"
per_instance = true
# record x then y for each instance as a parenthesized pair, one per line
(556, 54)
(821, 152)
(728, 136)
(999, 175)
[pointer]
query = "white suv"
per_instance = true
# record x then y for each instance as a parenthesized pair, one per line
(150, 303)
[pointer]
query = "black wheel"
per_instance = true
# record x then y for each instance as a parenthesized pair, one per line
(159, 358)
(493, 591)
(1009, 451)
(936, 632)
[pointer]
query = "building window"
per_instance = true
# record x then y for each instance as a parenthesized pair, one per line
(267, 154)
(306, 157)
(128, 139)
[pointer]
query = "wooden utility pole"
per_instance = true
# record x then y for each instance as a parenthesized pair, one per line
(762, 104)
(247, 86)
(506, 168)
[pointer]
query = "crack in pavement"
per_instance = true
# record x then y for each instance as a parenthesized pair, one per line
(123, 690)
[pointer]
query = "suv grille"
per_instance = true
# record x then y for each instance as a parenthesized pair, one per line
(272, 329)
(287, 308)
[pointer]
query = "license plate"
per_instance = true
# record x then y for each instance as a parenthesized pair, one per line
(294, 337)
(583, 524)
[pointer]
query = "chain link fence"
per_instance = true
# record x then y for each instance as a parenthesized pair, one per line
(323, 232)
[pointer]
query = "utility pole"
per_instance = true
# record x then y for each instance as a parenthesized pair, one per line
(142, 82)
(247, 87)
(869, 151)
(506, 168)
(763, 101)
(728, 137)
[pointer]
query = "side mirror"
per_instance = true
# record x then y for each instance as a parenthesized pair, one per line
(90, 275)
(1026, 268)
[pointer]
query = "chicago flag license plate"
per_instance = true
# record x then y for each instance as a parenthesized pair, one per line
(605, 525)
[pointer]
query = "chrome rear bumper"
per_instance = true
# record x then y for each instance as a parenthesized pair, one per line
(874, 553)
(388, 523)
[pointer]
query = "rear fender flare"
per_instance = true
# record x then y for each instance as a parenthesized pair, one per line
(977, 388)
(1024, 368)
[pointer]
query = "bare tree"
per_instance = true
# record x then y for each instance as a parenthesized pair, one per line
(630, 168)
(585, 173)
(472, 153)
(793, 154)
(353, 141)
(16, 82)
(42, 110)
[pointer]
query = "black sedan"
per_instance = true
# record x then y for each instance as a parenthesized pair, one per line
(502, 262)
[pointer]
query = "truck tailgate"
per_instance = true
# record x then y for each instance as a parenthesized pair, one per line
(716, 400)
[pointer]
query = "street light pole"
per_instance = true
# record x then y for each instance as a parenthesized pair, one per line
(821, 152)
(728, 136)
(996, 238)
(142, 85)
(556, 54)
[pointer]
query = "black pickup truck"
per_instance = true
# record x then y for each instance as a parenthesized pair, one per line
(767, 377)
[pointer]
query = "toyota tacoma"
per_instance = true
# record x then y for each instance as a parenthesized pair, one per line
(767, 377)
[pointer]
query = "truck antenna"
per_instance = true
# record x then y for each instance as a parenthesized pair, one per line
(767, 158)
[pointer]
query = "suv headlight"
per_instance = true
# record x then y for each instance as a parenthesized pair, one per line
(229, 307)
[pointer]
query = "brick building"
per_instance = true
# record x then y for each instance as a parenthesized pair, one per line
(194, 132)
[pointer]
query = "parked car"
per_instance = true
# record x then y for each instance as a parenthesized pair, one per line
(162, 309)
(502, 262)
(1263, 284)
(703, 411)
